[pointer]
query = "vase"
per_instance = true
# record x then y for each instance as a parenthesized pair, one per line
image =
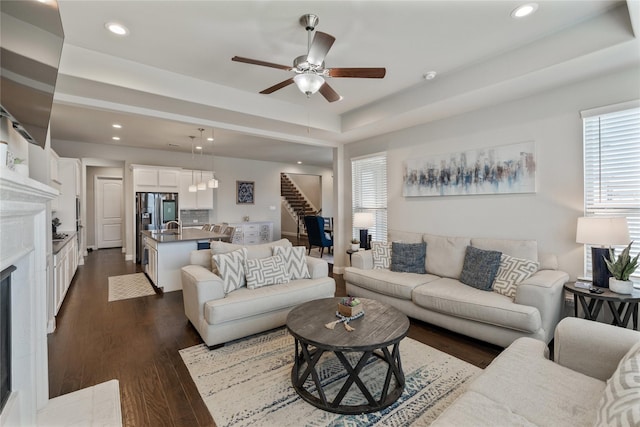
(620, 286)
(355, 247)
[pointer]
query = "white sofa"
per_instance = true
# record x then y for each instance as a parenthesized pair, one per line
(220, 318)
(439, 298)
(583, 386)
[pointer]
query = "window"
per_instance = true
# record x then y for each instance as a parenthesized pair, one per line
(612, 168)
(369, 193)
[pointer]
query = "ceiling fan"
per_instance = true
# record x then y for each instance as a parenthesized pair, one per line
(309, 69)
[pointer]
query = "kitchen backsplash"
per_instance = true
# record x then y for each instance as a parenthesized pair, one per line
(194, 217)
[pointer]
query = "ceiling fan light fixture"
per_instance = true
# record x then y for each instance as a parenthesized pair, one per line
(308, 83)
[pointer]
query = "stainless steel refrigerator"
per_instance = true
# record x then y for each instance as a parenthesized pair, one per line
(153, 210)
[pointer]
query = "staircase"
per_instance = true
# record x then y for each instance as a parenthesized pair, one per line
(298, 205)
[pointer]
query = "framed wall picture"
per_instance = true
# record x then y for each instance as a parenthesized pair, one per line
(245, 192)
(493, 170)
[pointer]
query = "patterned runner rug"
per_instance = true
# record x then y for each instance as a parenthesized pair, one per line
(129, 286)
(248, 383)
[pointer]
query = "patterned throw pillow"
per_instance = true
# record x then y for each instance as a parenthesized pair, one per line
(295, 261)
(381, 252)
(231, 269)
(480, 268)
(408, 257)
(265, 271)
(620, 401)
(511, 272)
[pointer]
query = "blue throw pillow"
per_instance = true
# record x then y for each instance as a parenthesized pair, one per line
(408, 257)
(480, 268)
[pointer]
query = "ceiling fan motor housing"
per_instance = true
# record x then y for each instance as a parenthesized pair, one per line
(301, 65)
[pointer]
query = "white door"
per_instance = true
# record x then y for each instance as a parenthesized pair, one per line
(108, 207)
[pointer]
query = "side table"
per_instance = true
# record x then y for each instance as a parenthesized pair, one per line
(592, 303)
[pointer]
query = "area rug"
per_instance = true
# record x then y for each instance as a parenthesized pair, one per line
(248, 383)
(129, 286)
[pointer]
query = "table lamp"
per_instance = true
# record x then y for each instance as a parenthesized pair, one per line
(601, 233)
(363, 220)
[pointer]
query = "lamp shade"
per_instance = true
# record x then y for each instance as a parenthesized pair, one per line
(308, 83)
(602, 231)
(363, 220)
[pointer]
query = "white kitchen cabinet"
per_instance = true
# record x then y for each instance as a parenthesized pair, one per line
(65, 264)
(155, 179)
(202, 199)
(151, 267)
(252, 233)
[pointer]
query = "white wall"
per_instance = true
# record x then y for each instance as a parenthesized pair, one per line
(265, 174)
(552, 120)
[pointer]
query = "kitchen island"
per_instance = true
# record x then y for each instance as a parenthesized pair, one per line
(166, 252)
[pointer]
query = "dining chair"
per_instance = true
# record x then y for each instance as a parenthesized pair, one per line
(316, 234)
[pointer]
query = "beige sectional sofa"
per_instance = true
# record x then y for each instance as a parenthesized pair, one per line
(439, 298)
(220, 317)
(593, 380)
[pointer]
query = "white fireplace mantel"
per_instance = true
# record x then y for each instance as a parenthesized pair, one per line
(23, 243)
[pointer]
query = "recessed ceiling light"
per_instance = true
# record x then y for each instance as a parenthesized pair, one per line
(430, 75)
(210, 139)
(117, 126)
(115, 138)
(299, 162)
(198, 147)
(116, 28)
(524, 10)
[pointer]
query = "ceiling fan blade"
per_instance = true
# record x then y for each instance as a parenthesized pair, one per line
(328, 92)
(277, 87)
(321, 44)
(263, 63)
(367, 73)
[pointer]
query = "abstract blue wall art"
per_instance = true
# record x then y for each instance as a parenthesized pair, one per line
(496, 170)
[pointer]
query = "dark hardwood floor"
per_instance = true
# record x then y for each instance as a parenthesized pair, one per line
(136, 341)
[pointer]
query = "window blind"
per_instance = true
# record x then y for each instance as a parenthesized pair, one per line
(369, 193)
(612, 171)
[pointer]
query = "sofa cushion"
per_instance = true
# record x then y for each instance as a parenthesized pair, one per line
(230, 267)
(295, 261)
(264, 250)
(445, 256)
(265, 271)
(537, 389)
(511, 272)
(381, 252)
(408, 257)
(245, 303)
(526, 249)
(386, 282)
(450, 296)
(620, 401)
(480, 268)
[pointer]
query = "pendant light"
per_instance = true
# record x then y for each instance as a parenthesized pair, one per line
(193, 187)
(213, 182)
(201, 184)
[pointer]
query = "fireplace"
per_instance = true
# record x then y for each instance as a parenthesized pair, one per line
(5, 335)
(23, 244)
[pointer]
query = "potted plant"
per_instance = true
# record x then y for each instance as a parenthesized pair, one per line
(621, 268)
(355, 244)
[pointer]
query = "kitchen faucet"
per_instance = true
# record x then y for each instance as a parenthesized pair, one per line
(178, 223)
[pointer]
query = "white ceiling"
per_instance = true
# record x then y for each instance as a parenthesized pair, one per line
(173, 73)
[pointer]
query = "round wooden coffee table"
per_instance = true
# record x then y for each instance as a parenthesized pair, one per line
(381, 327)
